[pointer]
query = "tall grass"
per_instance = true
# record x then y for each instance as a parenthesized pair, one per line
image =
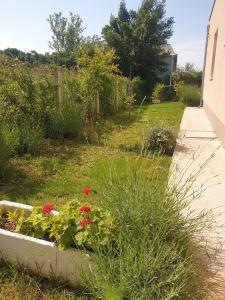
(64, 124)
(151, 257)
(9, 141)
(189, 94)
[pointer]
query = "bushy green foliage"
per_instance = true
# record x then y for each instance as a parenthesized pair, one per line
(189, 78)
(30, 137)
(28, 97)
(139, 89)
(158, 93)
(66, 33)
(163, 93)
(9, 142)
(64, 124)
(189, 95)
(76, 225)
(161, 139)
(138, 36)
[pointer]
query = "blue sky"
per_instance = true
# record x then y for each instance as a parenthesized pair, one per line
(23, 23)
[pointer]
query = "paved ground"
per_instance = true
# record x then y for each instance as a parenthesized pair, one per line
(199, 165)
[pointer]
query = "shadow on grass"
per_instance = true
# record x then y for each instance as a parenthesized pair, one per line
(30, 177)
(17, 185)
(22, 284)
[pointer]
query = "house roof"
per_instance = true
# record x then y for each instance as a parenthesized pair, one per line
(212, 10)
(168, 49)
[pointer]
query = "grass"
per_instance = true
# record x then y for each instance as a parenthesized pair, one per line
(62, 169)
(153, 238)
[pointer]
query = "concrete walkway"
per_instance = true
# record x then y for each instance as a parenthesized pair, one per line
(199, 166)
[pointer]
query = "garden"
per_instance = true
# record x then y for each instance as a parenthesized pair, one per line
(85, 207)
(113, 196)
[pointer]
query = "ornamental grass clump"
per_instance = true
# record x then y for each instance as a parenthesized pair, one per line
(151, 257)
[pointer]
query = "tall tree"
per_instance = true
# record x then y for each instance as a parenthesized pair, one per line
(66, 33)
(138, 38)
(58, 25)
(74, 32)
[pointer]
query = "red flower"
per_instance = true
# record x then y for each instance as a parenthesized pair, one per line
(47, 209)
(86, 191)
(85, 222)
(85, 209)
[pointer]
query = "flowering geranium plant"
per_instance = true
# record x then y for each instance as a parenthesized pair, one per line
(79, 224)
(47, 209)
(86, 191)
(85, 209)
(82, 226)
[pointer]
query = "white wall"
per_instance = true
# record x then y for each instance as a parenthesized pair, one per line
(214, 88)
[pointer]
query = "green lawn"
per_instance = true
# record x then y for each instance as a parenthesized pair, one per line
(63, 168)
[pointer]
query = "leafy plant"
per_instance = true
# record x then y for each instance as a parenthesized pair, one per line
(189, 95)
(65, 124)
(77, 225)
(9, 141)
(138, 36)
(161, 139)
(158, 93)
(36, 224)
(82, 226)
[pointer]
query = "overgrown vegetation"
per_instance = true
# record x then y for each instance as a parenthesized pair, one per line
(153, 237)
(57, 135)
(188, 94)
(189, 74)
(30, 113)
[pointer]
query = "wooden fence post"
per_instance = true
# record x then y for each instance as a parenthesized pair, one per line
(97, 103)
(58, 89)
(117, 95)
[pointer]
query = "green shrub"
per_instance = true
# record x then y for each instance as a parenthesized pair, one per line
(65, 124)
(9, 142)
(189, 95)
(161, 139)
(158, 93)
(30, 137)
(170, 94)
(138, 89)
(189, 78)
(27, 92)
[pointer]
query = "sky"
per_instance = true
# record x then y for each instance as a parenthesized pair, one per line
(23, 23)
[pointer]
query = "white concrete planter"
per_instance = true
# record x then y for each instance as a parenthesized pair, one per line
(42, 257)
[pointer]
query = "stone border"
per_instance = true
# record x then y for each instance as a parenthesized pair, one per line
(42, 257)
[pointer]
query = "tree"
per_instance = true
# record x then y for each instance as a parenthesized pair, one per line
(189, 67)
(67, 34)
(138, 37)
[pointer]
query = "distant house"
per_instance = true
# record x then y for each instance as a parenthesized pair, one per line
(170, 61)
(213, 96)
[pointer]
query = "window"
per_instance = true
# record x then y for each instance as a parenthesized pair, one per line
(214, 55)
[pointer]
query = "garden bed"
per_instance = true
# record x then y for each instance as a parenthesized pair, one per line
(40, 256)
